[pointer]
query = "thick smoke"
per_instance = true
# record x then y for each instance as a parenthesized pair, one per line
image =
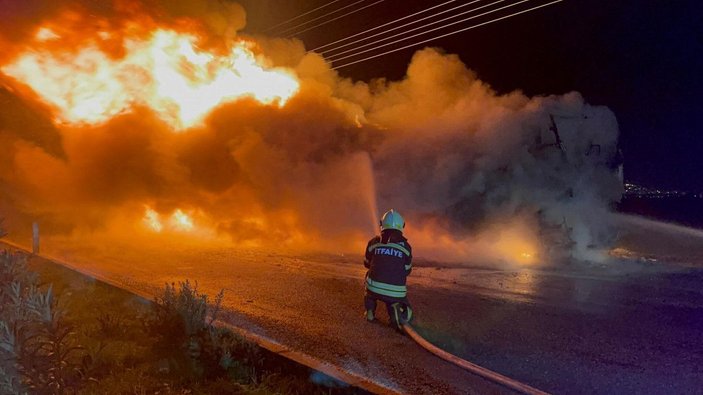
(475, 173)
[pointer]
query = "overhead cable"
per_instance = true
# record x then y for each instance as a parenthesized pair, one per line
(334, 19)
(378, 27)
(405, 25)
(299, 16)
(380, 40)
(335, 58)
(321, 17)
(444, 35)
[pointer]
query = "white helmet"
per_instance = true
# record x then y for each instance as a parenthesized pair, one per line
(392, 220)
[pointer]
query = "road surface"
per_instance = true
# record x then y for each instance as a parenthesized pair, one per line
(626, 326)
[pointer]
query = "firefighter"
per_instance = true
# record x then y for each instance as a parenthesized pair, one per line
(389, 260)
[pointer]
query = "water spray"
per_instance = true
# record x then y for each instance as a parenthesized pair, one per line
(369, 180)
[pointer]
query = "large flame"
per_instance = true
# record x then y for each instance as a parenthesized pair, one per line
(164, 70)
(152, 221)
(473, 172)
(179, 221)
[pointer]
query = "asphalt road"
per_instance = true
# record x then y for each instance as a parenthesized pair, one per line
(627, 326)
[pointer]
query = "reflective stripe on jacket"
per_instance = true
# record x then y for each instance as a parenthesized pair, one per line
(394, 291)
(389, 260)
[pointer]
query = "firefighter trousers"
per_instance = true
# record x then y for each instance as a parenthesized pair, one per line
(399, 309)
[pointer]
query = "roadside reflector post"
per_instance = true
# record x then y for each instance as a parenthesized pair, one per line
(35, 238)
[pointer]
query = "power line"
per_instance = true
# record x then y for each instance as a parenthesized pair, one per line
(399, 27)
(378, 27)
(334, 19)
(300, 16)
(332, 57)
(445, 35)
(321, 16)
(335, 59)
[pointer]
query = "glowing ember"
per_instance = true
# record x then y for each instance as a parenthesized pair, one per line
(165, 72)
(151, 219)
(181, 221)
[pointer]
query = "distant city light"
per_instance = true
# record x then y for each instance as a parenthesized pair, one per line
(634, 190)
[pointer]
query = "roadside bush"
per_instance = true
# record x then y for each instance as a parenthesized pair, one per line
(38, 352)
(187, 342)
(13, 316)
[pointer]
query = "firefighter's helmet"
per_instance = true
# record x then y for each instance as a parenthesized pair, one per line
(392, 220)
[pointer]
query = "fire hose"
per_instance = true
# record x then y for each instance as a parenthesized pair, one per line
(472, 367)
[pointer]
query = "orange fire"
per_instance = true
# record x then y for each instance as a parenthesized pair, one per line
(163, 70)
(152, 221)
(179, 221)
(516, 245)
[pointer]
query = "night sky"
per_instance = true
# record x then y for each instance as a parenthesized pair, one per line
(641, 58)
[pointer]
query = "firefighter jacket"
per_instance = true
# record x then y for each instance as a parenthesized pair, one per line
(389, 260)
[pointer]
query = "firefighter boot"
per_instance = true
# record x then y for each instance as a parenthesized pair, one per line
(407, 314)
(370, 316)
(396, 314)
(401, 314)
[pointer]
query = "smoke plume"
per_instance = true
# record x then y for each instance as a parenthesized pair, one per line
(475, 173)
